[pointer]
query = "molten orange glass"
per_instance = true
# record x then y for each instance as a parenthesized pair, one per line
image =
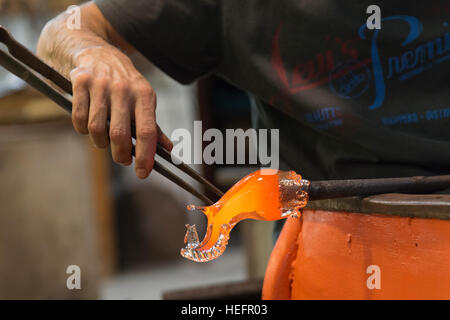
(263, 195)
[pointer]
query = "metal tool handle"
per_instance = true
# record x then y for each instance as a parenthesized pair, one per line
(364, 187)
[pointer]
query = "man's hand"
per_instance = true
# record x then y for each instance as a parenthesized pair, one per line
(106, 85)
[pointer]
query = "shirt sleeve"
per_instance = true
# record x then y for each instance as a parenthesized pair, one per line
(181, 37)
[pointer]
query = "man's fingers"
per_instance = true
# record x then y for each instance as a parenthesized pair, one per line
(120, 130)
(95, 98)
(98, 113)
(80, 101)
(146, 132)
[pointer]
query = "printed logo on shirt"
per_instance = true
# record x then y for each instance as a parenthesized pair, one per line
(352, 75)
(315, 72)
(409, 63)
(353, 79)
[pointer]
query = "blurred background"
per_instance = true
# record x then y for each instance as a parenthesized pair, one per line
(63, 202)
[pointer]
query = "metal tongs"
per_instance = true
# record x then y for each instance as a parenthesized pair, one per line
(28, 67)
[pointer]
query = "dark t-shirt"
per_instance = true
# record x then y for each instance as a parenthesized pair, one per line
(349, 102)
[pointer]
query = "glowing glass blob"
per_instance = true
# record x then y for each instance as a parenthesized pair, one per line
(263, 195)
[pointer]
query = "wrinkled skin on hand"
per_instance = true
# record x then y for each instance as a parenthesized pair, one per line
(107, 85)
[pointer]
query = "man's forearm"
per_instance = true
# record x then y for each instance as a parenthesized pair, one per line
(59, 45)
